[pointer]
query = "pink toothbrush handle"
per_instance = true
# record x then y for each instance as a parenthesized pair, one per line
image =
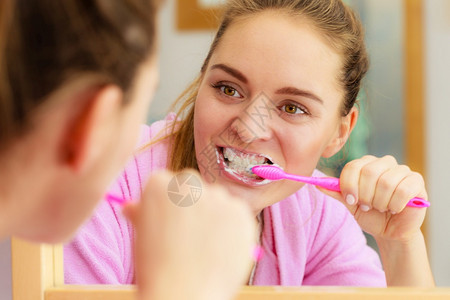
(418, 202)
(329, 183)
(333, 184)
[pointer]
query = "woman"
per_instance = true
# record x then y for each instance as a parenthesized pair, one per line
(76, 78)
(279, 86)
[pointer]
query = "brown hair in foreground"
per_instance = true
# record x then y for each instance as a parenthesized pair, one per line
(47, 43)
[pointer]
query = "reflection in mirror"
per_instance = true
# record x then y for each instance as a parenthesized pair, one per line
(308, 238)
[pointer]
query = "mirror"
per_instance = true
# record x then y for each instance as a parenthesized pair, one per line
(37, 269)
(381, 128)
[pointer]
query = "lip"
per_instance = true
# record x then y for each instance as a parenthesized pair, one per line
(236, 176)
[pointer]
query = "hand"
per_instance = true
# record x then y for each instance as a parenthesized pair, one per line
(376, 191)
(198, 252)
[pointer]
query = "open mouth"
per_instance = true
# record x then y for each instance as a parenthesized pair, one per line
(239, 164)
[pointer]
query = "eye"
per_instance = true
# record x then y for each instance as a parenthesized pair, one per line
(226, 90)
(229, 91)
(292, 109)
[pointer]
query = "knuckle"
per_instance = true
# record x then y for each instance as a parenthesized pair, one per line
(403, 192)
(384, 183)
(390, 159)
(349, 166)
(404, 168)
(417, 176)
(369, 171)
(368, 157)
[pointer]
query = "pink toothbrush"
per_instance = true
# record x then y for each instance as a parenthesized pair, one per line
(329, 183)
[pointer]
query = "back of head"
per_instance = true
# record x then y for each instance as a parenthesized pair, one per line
(47, 43)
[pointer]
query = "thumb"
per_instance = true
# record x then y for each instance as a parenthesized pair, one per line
(334, 194)
(340, 197)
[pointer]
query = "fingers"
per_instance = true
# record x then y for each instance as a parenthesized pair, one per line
(176, 243)
(411, 186)
(386, 185)
(340, 197)
(350, 179)
(368, 180)
(380, 183)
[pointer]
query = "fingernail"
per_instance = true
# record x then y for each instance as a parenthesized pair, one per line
(364, 207)
(393, 212)
(350, 199)
(258, 253)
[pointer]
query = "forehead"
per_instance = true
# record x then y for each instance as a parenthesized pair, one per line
(288, 47)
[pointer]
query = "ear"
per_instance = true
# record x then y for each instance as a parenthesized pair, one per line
(91, 130)
(345, 128)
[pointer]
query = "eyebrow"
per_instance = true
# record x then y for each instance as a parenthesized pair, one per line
(233, 72)
(286, 90)
(296, 92)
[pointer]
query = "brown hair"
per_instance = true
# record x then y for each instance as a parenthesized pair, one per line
(46, 43)
(336, 21)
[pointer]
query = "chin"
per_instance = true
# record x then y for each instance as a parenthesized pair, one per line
(257, 198)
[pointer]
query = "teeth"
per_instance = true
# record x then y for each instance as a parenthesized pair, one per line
(242, 162)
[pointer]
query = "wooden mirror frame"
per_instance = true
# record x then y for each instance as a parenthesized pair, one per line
(38, 275)
(37, 270)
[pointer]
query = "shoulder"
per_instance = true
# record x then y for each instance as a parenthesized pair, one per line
(101, 252)
(152, 151)
(157, 130)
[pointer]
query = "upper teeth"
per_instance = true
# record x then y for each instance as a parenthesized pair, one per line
(242, 161)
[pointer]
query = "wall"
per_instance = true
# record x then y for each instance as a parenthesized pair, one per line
(181, 57)
(384, 82)
(437, 16)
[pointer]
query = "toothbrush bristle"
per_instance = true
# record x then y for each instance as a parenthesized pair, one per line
(268, 172)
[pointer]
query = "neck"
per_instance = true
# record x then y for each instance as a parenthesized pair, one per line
(21, 187)
(7, 197)
(4, 229)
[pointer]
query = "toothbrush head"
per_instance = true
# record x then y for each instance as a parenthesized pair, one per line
(270, 172)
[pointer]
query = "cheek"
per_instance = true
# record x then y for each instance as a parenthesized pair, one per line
(202, 128)
(303, 150)
(208, 117)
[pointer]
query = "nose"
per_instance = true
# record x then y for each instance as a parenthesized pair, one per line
(256, 120)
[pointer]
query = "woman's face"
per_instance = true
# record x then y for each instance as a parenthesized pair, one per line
(270, 94)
